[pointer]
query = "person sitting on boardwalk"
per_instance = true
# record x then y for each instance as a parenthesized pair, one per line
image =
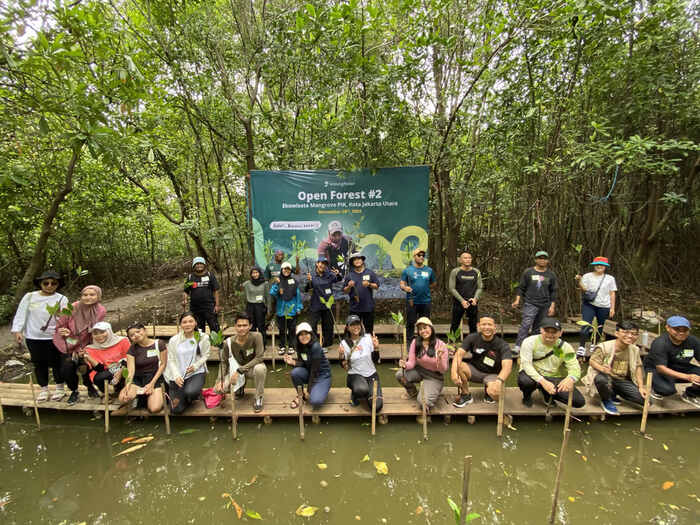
(312, 368)
(257, 297)
(73, 334)
(321, 286)
(286, 290)
(34, 325)
(358, 351)
(202, 288)
(186, 371)
(484, 358)
(615, 369)
(549, 364)
(600, 303)
(670, 361)
(106, 356)
(242, 355)
(428, 361)
(145, 361)
(360, 284)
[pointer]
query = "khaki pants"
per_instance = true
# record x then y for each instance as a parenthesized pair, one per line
(258, 373)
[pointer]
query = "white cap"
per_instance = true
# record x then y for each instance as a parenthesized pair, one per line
(335, 226)
(285, 265)
(304, 327)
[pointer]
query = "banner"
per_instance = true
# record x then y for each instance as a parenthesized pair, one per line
(381, 213)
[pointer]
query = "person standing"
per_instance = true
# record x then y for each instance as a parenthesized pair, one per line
(202, 288)
(321, 286)
(465, 285)
(336, 247)
(289, 305)
(598, 300)
(416, 281)
(359, 284)
(538, 290)
(257, 296)
(274, 267)
(34, 325)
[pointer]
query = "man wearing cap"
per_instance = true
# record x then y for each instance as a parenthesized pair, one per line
(466, 286)
(202, 288)
(359, 284)
(670, 360)
(274, 267)
(335, 247)
(538, 290)
(321, 286)
(416, 281)
(598, 299)
(549, 364)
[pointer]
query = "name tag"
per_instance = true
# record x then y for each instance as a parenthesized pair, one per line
(327, 291)
(535, 277)
(258, 297)
(688, 352)
(205, 279)
(365, 277)
(304, 357)
(152, 353)
(424, 274)
(479, 350)
(489, 362)
(249, 351)
(290, 281)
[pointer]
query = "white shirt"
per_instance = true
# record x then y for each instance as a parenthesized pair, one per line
(361, 359)
(186, 356)
(591, 281)
(31, 315)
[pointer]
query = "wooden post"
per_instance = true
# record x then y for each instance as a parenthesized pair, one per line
(234, 414)
(560, 468)
(274, 350)
(567, 417)
(106, 406)
(645, 410)
(300, 400)
(501, 404)
(166, 411)
(36, 408)
(425, 414)
(2, 413)
(461, 327)
(465, 489)
(374, 406)
(403, 345)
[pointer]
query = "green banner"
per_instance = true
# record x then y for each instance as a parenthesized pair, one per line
(382, 213)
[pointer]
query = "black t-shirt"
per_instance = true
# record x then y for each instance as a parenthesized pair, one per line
(201, 291)
(676, 357)
(146, 358)
(487, 355)
(466, 283)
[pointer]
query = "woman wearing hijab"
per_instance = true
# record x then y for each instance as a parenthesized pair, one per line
(256, 296)
(73, 334)
(106, 356)
(358, 352)
(286, 290)
(34, 325)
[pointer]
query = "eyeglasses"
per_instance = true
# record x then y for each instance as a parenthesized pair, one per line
(626, 333)
(420, 255)
(49, 283)
(679, 328)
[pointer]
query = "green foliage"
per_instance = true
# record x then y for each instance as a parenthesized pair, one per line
(457, 512)
(328, 303)
(216, 338)
(397, 318)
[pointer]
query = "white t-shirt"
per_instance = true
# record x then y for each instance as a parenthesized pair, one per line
(31, 315)
(591, 281)
(186, 351)
(361, 359)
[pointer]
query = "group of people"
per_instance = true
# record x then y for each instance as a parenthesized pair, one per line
(75, 341)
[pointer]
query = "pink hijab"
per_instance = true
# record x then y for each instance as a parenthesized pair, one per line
(86, 315)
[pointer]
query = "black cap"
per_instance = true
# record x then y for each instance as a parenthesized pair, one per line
(352, 318)
(49, 274)
(550, 322)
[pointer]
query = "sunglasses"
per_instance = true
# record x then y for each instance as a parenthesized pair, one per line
(420, 255)
(49, 283)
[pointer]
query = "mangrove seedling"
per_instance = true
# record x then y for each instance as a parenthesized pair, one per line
(458, 513)
(454, 338)
(56, 311)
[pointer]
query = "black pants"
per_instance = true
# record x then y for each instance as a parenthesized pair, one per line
(206, 317)
(326, 318)
(367, 319)
(457, 312)
(69, 372)
(44, 356)
(102, 375)
(182, 397)
(361, 389)
(412, 315)
(666, 386)
(287, 329)
(257, 313)
(626, 389)
(528, 386)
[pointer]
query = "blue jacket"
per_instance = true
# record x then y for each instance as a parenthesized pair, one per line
(283, 307)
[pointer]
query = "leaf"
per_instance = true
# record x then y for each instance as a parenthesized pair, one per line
(237, 507)
(322, 466)
(455, 508)
(252, 480)
(472, 516)
(306, 511)
(252, 514)
(667, 485)
(571, 499)
(151, 156)
(673, 507)
(654, 460)
(665, 446)
(144, 439)
(584, 458)
(552, 454)
(366, 458)
(130, 450)
(381, 467)
(127, 439)
(419, 510)
(201, 498)
(188, 431)
(43, 126)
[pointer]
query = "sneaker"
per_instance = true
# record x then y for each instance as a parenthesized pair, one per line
(43, 395)
(73, 398)
(463, 400)
(290, 350)
(656, 396)
(609, 408)
(488, 399)
(616, 400)
(258, 404)
(527, 401)
(694, 401)
(581, 352)
(58, 393)
(92, 392)
(282, 350)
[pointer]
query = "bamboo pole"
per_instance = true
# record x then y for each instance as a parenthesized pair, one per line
(557, 482)
(106, 385)
(234, 414)
(374, 406)
(166, 411)
(2, 413)
(36, 408)
(501, 405)
(300, 400)
(274, 350)
(567, 417)
(645, 410)
(425, 414)
(465, 489)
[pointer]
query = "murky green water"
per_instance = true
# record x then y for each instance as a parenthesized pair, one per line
(68, 472)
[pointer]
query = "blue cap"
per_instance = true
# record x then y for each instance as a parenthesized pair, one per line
(198, 260)
(676, 320)
(322, 258)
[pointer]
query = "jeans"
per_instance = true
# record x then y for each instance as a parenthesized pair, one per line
(326, 318)
(412, 315)
(319, 391)
(361, 388)
(528, 385)
(287, 329)
(472, 312)
(206, 317)
(182, 397)
(626, 389)
(44, 356)
(532, 317)
(666, 386)
(588, 312)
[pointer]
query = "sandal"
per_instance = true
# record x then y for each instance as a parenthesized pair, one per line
(295, 401)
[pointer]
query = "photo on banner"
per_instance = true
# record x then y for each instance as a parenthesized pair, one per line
(381, 213)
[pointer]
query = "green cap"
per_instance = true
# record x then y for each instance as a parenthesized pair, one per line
(542, 253)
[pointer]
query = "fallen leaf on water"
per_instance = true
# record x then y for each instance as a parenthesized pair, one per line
(127, 439)
(225, 495)
(366, 458)
(571, 499)
(628, 447)
(673, 507)
(381, 467)
(577, 451)
(667, 485)
(665, 446)
(252, 514)
(322, 466)
(419, 510)
(202, 498)
(130, 449)
(511, 427)
(252, 480)
(188, 431)
(306, 511)
(552, 454)
(357, 518)
(584, 458)
(238, 509)
(143, 440)
(655, 460)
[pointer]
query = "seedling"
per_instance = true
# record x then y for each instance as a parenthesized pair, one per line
(216, 338)
(56, 311)
(458, 513)
(454, 339)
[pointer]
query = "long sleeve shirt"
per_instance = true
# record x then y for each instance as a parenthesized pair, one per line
(32, 316)
(291, 307)
(538, 360)
(439, 363)
(465, 285)
(174, 368)
(321, 286)
(538, 288)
